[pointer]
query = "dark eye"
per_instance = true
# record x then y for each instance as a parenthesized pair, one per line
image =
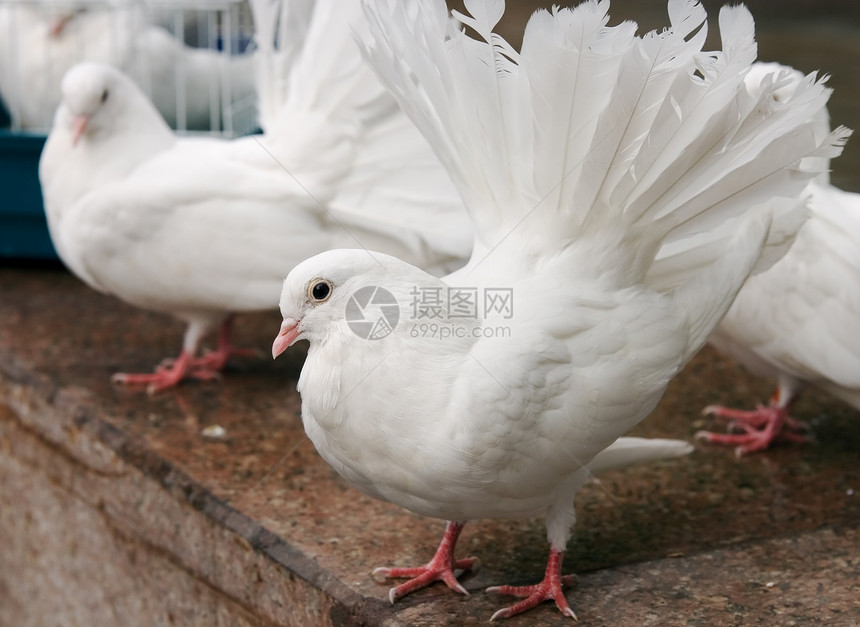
(319, 290)
(104, 95)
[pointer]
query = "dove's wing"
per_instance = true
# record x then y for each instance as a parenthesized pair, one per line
(563, 390)
(328, 81)
(280, 28)
(398, 188)
(386, 179)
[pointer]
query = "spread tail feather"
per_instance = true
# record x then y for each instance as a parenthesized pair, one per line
(682, 255)
(593, 135)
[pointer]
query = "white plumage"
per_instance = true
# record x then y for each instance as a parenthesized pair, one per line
(578, 158)
(203, 228)
(798, 322)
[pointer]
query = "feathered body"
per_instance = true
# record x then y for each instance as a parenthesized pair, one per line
(203, 228)
(443, 446)
(578, 158)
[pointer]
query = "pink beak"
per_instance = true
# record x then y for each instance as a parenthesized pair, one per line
(79, 125)
(288, 334)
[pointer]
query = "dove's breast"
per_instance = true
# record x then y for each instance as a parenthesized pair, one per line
(503, 428)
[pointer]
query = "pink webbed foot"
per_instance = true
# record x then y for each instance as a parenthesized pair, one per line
(759, 428)
(441, 568)
(550, 589)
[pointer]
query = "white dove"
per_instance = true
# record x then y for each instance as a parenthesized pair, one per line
(40, 42)
(799, 321)
(203, 228)
(486, 394)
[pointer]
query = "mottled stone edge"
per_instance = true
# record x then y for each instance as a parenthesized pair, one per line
(59, 416)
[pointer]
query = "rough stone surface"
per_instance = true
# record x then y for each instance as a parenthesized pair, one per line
(115, 508)
(113, 504)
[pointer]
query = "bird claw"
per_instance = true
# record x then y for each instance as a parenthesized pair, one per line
(443, 567)
(423, 576)
(549, 589)
(534, 596)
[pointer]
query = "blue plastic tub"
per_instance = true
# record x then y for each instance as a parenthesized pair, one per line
(23, 228)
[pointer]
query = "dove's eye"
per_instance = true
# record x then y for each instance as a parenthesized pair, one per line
(319, 290)
(104, 95)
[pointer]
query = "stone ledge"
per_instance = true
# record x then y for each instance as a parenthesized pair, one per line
(113, 505)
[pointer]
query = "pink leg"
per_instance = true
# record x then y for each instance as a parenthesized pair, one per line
(440, 568)
(214, 361)
(547, 590)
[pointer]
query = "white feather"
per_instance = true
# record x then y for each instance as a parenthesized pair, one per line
(626, 452)
(280, 29)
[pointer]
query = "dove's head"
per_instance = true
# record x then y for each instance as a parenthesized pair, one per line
(98, 98)
(316, 292)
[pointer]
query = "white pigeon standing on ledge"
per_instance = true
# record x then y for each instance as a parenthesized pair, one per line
(204, 228)
(799, 322)
(578, 158)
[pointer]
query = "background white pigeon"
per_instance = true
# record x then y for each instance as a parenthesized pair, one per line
(40, 42)
(799, 322)
(577, 158)
(202, 227)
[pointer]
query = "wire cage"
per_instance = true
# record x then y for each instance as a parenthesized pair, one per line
(191, 57)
